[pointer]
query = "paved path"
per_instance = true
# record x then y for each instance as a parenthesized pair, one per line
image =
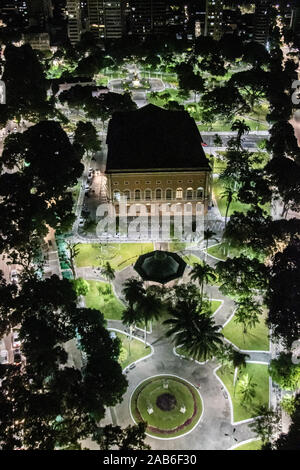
(215, 431)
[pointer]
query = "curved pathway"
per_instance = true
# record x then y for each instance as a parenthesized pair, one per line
(215, 431)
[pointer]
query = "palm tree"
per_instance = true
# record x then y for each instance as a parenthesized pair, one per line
(247, 389)
(230, 357)
(241, 128)
(247, 313)
(130, 317)
(203, 273)
(238, 360)
(230, 195)
(133, 290)
(149, 306)
(108, 272)
(208, 235)
(194, 330)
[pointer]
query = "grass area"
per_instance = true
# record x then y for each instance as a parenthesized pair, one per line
(219, 251)
(256, 120)
(101, 297)
(223, 251)
(102, 80)
(217, 126)
(177, 245)
(158, 101)
(260, 375)
(75, 192)
(218, 189)
(255, 339)
(172, 422)
(137, 349)
(218, 165)
(253, 445)
(119, 255)
(191, 259)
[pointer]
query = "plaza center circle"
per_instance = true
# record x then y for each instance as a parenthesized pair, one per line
(169, 405)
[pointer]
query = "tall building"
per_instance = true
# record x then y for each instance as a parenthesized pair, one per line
(262, 21)
(148, 17)
(39, 12)
(73, 12)
(214, 18)
(295, 19)
(106, 18)
(14, 13)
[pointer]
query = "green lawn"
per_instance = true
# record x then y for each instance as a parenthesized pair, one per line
(261, 379)
(191, 259)
(255, 339)
(161, 102)
(137, 349)
(177, 245)
(119, 255)
(222, 251)
(218, 189)
(253, 445)
(166, 423)
(101, 299)
(75, 192)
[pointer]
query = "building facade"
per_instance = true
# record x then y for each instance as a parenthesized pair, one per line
(106, 18)
(214, 18)
(73, 12)
(148, 17)
(155, 157)
(262, 21)
(38, 41)
(39, 12)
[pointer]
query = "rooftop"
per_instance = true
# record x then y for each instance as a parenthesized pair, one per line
(152, 138)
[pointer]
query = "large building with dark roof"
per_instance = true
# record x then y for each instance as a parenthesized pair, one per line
(156, 156)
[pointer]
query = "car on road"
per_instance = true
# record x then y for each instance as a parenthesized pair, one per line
(3, 356)
(14, 277)
(81, 222)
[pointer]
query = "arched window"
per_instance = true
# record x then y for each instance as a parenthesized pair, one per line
(189, 193)
(116, 195)
(148, 194)
(137, 194)
(158, 194)
(127, 194)
(199, 193)
(179, 193)
(169, 194)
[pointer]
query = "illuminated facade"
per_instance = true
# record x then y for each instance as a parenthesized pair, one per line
(74, 20)
(213, 19)
(106, 18)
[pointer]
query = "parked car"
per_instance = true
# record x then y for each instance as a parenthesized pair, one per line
(3, 356)
(14, 277)
(15, 339)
